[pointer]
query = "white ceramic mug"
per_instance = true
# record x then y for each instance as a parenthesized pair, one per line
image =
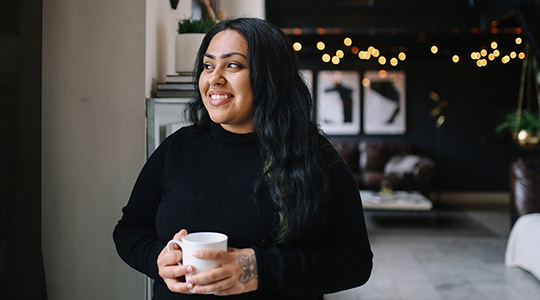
(199, 241)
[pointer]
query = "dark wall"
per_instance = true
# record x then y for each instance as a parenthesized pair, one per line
(470, 155)
(21, 265)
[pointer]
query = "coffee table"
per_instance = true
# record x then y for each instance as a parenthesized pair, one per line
(399, 200)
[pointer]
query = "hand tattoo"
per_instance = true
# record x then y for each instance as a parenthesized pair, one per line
(249, 268)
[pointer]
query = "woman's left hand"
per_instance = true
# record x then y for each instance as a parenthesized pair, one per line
(236, 275)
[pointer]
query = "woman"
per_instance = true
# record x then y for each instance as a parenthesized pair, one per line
(252, 166)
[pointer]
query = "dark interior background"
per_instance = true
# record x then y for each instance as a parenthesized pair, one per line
(470, 155)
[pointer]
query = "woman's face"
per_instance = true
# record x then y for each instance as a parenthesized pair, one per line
(224, 83)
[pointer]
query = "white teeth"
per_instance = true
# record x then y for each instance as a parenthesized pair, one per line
(219, 97)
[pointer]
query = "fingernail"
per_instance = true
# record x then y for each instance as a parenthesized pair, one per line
(189, 269)
(197, 290)
(196, 253)
(190, 286)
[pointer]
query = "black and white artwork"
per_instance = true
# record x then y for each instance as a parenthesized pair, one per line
(384, 102)
(338, 102)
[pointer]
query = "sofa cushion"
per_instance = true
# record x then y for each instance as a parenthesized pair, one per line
(375, 154)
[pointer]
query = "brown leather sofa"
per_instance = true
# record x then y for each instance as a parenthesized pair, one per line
(524, 187)
(367, 161)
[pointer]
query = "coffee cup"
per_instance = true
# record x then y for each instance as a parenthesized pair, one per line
(199, 241)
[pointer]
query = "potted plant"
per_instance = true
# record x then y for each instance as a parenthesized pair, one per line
(190, 35)
(524, 126)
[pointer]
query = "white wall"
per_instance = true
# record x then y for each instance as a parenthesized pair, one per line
(243, 8)
(161, 28)
(93, 146)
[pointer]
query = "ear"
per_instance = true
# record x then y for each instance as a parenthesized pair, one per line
(174, 3)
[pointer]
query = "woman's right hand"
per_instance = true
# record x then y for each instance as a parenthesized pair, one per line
(169, 269)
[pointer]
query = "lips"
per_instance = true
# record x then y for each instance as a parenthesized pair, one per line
(220, 99)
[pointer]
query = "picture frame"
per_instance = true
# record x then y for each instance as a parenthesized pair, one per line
(384, 102)
(338, 102)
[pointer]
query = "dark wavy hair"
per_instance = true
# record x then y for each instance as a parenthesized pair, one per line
(289, 142)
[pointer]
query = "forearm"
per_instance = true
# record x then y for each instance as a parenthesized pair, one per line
(313, 272)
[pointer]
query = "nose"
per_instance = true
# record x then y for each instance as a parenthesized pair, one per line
(216, 78)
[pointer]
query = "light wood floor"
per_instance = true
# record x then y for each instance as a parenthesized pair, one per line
(446, 267)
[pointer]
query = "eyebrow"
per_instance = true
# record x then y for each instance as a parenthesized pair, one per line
(226, 55)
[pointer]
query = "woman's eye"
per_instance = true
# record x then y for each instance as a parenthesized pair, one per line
(234, 65)
(207, 66)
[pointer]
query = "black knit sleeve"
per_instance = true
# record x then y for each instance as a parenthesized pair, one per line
(135, 234)
(343, 258)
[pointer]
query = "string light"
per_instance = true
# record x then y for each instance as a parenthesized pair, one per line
(518, 40)
(326, 57)
(321, 46)
(382, 60)
(297, 46)
(513, 54)
(434, 49)
(402, 56)
(505, 59)
(340, 54)
(521, 55)
(455, 59)
(335, 60)
(393, 61)
(347, 41)
(494, 45)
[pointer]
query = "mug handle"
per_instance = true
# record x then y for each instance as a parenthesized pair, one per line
(173, 241)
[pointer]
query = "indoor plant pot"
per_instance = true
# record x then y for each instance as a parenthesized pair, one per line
(525, 127)
(190, 35)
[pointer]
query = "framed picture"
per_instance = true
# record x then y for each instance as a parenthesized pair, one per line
(384, 102)
(338, 102)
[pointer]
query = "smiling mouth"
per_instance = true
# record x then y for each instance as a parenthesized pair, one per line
(220, 97)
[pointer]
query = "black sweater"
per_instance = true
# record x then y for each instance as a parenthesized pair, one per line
(205, 182)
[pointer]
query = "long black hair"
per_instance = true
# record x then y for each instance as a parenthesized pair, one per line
(294, 176)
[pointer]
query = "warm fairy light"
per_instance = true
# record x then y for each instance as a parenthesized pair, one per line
(496, 53)
(483, 52)
(402, 56)
(382, 60)
(518, 40)
(393, 61)
(364, 55)
(371, 49)
(347, 41)
(494, 45)
(366, 82)
(383, 74)
(340, 54)
(355, 50)
(455, 59)
(475, 55)
(513, 54)
(297, 46)
(321, 31)
(297, 31)
(491, 56)
(434, 49)
(321, 46)
(376, 53)
(326, 57)
(481, 62)
(335, 60)
(521, 55)
(505, 59)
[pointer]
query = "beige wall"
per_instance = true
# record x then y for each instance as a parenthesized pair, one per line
(93, 142)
